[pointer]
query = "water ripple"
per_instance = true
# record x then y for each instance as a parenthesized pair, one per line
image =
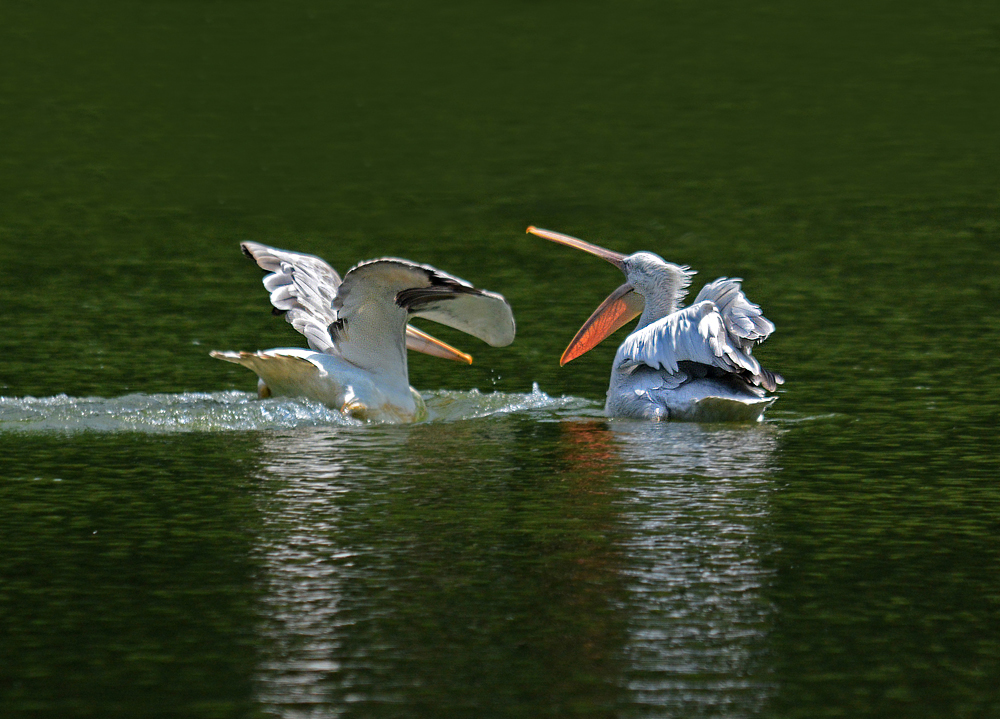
(242, 411)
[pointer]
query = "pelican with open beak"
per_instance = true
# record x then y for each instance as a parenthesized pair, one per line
(358, 333)
(693, 363)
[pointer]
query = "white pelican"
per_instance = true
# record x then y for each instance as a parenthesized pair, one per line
(693, 364)
(357, 330)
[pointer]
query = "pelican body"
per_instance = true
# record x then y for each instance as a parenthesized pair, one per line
(357, 330)
(691, 364)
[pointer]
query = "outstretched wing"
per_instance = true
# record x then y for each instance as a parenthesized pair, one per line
(377, 297)
(303, 288)
(451, 301)
(694, 334)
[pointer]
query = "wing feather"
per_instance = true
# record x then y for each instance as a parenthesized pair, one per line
(698, 333)
(377, 297)
(424, 291)
(303, 288)
(363, 317)
(744, 320)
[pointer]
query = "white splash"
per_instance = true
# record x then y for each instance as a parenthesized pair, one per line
(446, 405)
(242, 411)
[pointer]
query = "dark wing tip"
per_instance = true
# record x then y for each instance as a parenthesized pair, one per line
(770, 380)
(413, 299)
(257, 252)
(440, 287)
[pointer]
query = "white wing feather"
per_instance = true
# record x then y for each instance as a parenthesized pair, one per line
(699, 334)
(302, 287)
(363, 317)
(743, 319)
(376, 298)
(423, 291)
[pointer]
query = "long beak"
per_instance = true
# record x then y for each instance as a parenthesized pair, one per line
(621, 307)
(615, 258)
(422, 342)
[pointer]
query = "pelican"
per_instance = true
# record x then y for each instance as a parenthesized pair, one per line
(357, 330)
(691, 364)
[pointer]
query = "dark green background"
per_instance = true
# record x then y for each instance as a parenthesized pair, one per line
(841, 157)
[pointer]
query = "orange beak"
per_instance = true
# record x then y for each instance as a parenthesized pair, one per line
(422, 342)
(621, 307)
(615, 258)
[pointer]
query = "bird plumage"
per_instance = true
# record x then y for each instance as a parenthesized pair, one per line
(357, 330)
(692, 363)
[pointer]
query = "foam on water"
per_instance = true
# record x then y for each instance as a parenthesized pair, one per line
(243, 411)
(446, 405)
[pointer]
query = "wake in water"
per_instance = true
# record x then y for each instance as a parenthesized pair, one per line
(242, 411)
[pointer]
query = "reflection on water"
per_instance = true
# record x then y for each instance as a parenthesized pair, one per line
(698, 532)
(435, 566)
(301, 563)
(516, 551)
(717, 451)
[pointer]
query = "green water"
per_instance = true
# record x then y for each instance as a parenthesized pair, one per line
(169, 546)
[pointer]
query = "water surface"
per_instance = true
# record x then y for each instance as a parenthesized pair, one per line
(172, 546)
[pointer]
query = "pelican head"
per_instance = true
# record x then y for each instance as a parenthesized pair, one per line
(662, 284)
(653, 288)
